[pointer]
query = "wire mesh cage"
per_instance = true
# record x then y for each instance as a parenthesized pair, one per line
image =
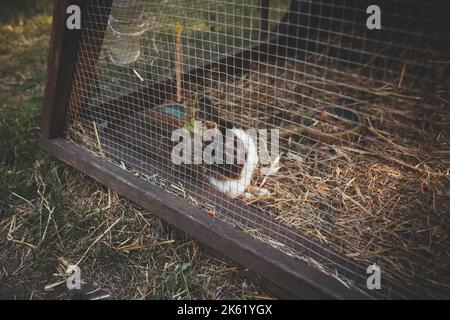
(322, 142)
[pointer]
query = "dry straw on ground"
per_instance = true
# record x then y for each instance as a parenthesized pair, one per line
(382, 195)
(378, 195)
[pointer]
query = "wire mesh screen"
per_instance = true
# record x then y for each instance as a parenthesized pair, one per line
(339, 134)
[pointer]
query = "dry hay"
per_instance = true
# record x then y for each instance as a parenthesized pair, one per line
(123, 252)
(381, 197)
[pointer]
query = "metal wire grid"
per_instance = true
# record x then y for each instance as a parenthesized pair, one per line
(213, 28)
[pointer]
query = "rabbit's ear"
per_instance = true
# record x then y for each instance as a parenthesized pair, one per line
(206, 110)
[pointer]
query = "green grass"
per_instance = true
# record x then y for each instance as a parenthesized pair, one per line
(51, 215)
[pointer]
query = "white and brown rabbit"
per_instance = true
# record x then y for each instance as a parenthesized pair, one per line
(230, 178)
(153, 131)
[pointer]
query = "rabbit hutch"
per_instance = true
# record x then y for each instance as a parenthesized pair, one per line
(338, 109)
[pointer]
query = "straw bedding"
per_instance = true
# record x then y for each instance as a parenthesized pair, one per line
(378, 195)
(381, 195)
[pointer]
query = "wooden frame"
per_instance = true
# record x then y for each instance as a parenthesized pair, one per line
(287, 276)
(297, 279)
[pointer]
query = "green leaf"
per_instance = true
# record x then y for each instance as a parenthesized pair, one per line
(185, 266)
